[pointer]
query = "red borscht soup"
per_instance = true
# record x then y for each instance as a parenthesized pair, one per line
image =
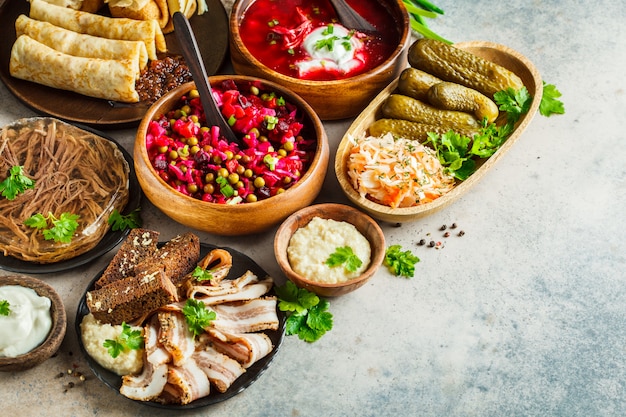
(304, 39)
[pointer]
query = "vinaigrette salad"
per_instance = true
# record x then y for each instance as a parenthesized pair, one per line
(196, 160)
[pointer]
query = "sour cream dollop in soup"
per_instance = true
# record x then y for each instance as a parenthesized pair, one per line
(304, 39)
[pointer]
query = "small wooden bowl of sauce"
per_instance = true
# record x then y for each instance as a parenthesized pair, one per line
(55, 314)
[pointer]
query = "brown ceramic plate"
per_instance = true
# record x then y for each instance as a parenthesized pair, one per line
(502, 55)
(241, 264)
(211, 30)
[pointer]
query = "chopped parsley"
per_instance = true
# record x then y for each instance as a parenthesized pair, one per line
(400, 263)
(309, 317)
(197, 315)
(62, 229)
(127, 340)
(15, 183)
(201, 274)
(5, 309)
(120, 221)
(346, 257)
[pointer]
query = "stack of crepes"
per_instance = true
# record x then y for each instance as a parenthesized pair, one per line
(90, 54)
(159, 10)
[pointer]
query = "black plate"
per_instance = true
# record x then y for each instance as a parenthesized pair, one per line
(108, 242)
(211, 30)
(241, 264)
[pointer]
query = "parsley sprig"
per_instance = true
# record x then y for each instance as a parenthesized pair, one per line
(346, 257)
(127, 340)
(201, 274)
(15, 183)
(5, 308)
(198, 316)
(550, 103)
(62, 228)
(399, 262)
(119, 221)
(309, 317)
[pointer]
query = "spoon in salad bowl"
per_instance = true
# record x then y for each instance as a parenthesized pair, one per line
(191, 53)
(350, 18)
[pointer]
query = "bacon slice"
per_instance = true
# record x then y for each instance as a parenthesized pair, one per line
(246, 317)
(175, 336)
(244, 348)
(221, 370)
(146, 386)
(187, 382)
(247, 287)
(154, 352)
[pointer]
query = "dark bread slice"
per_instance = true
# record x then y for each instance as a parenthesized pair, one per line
(131, 298)
(138, 245)
(178, 257)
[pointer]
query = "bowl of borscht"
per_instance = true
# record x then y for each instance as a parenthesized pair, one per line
(192, 173)
(303, 46)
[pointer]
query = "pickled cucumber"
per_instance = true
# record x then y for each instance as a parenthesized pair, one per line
(456, 65)
(413, 130)
(398, 106)
(453, 96)
(416, 83)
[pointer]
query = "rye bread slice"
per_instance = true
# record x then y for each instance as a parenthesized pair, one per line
(138, 245)
(131, 298)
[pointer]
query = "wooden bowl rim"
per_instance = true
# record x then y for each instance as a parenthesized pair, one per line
(405, 37)
(59, 324)
(316, 210)
(321, 150)
(404, 214)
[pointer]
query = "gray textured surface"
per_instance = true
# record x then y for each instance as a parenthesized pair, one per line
(522, 316)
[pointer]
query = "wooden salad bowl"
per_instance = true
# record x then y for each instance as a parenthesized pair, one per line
(59, 324)
(332, 100)
(340, 212)
(235, 219)
(502, 55)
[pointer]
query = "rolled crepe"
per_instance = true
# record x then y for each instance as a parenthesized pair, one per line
(90, 6)
(78, 44)
(101, 78)
(147, 31)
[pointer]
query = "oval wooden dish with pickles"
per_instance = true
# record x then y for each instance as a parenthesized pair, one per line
(499, 54)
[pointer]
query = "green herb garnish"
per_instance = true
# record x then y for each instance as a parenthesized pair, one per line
(201, 274)
(5, 309)
(15, 183)
(127, 340)
(344, 256)
(198, 316)
(270, 161)
(225, 188)
(308, 315)
(62, 229)
(400, 263)
(419, 10)
(119, 221)
(550, 104)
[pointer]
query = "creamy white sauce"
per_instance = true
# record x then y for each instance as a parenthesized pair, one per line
(28, 323)
(344, 55)
(310, 247)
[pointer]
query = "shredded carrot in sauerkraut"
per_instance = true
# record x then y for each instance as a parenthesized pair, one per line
(396, 172)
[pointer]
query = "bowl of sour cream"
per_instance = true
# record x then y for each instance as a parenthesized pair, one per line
(32, 322)
(303, 46)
